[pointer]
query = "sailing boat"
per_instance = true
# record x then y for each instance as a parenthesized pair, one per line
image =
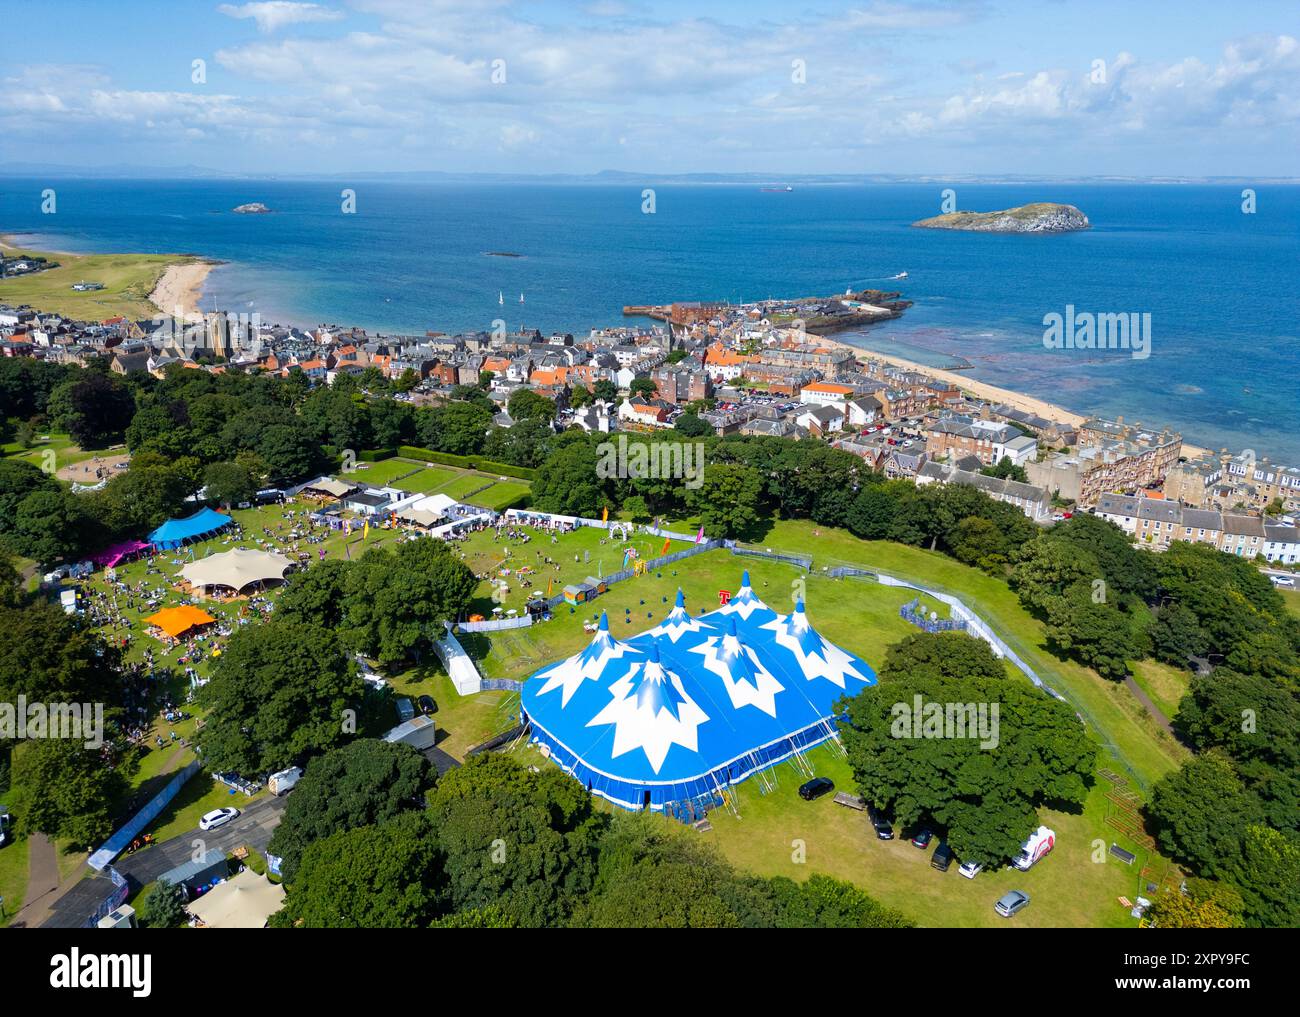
(501, 298)
(521, 298)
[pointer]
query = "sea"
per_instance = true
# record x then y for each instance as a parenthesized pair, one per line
(1221, 284)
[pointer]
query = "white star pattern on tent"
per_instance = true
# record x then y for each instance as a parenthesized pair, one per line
(745, 602)
(746, 680)
(677, 624)
(588, 665)
(651, 711)
(817, 657)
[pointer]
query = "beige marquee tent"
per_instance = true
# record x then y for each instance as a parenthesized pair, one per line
(236, 569)
(244, 902)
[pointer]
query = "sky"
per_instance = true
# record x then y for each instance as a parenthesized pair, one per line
(1145, 88)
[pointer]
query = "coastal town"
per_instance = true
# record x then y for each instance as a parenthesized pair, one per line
(752, 369)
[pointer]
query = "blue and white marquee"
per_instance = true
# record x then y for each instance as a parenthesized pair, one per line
(693, 705)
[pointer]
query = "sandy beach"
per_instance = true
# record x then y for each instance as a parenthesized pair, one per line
(180, 287)
(985, 391)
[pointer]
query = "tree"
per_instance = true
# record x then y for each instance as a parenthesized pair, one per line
(370, 877)
(51, 526)
(397, 600)
(162, 907)
(691, 426)
(1006, 470)
(525, 404)
(1047, 567)
(229, 484)
(64, 790)
(580, 396)
(1205, 905)
(643, 386)
(1269, 877)
(567, 482)
(279, 692)
(636, 507)
(524, 841)
(1202, 811)
(605, 391)
(459, 428)
(1176, 634)
(980, 778)
(1099, 634)
(364, 783)
(46, 656)
(93, 408)
(290, 452)
(317, 595)
(18, 479)
(727, 499)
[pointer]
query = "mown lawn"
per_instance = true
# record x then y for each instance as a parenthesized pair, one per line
(1109, 709)
(128, 280)
(66, 452)
(1165, 684)
(13, 877)
(1076, 885)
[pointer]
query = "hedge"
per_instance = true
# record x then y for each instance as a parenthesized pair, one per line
(467, 462)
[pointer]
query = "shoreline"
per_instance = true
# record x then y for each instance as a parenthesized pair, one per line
(180, 288)
(988, 392)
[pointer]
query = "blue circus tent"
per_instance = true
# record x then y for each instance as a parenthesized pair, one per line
(693, 705)
(176, 532)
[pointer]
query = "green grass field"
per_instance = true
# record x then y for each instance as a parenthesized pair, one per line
(779, 834)
(1166, 685)
(128, 280)
(1071, 887)
(13, 877)
(66, 452)
(409, 475)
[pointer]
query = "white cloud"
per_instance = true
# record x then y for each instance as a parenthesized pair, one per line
(271, 15)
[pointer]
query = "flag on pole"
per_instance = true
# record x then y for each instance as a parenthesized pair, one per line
(699, 537)
(667, 541)
(549, 584)
(604, 515)
(365, 532)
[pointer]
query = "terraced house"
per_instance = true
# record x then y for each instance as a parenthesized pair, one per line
(1157, 522)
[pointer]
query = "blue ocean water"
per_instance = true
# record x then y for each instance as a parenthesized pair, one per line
(1220, 285)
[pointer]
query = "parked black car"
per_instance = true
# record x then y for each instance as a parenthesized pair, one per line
(816, 787)
(427, 706)
(942, 857)
(884, 829)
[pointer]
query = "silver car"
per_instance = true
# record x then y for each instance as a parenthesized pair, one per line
(1011, 903)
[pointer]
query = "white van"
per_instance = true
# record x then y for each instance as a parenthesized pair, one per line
(283, 782)
(1039, 843)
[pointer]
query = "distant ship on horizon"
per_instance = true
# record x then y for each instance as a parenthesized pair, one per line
(777, 190)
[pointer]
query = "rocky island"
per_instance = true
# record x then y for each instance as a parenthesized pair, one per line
(1040, 217)
(252, 208)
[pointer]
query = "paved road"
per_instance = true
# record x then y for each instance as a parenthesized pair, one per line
(253, 827)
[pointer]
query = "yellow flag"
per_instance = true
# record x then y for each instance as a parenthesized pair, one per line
(604, 516)
(366, 532)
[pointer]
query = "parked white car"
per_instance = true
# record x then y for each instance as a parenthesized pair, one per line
(216, 818)
(970, 869)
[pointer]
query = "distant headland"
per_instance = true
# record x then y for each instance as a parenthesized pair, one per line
(1039, 217)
